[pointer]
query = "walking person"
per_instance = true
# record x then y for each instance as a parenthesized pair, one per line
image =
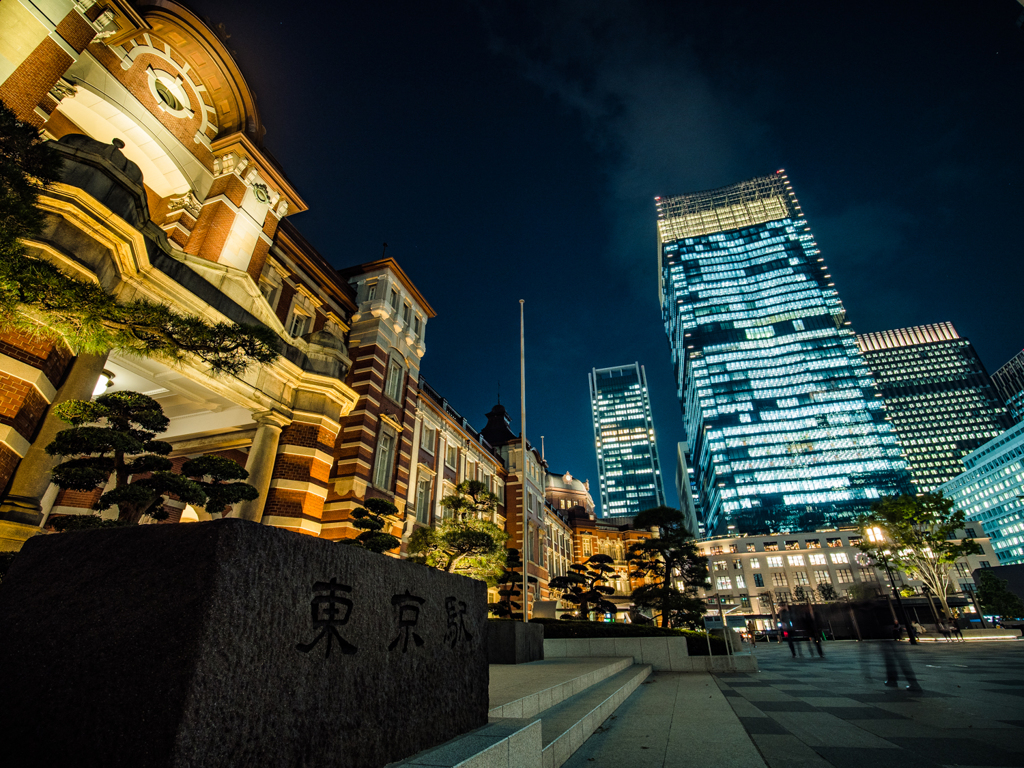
(957, 632)
(896, 662)
(945, 630)
(786, 617)
(810, 626)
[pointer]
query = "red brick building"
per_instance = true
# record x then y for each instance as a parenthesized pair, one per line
(168, 193)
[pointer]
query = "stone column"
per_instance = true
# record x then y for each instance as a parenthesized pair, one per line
(260, 464)
(21, 512)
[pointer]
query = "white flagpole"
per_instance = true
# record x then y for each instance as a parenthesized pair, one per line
(522, 424)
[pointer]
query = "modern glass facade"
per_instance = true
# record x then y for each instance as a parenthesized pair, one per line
(938, 397)
(627, 453)
(1009, 382)
(990, 492)
(785, 429)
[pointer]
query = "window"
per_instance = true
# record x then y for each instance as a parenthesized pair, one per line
(300, 324)
(771, 546)
(385, 459)
(774, 562)
(416, 326)
(755, 562)
(423, 499)
(740, 582)
(822, 577)
(716, 550)
(792, 545)
(840, 557)
(428, 438)
(393, 385)
(779, 579)
(970, 533)
(816, 559)
(844, 576)
(744, 600)
(835, 542)
(269, 291)
(758, 580)
(406, 314)
(795, 559)
(983, 564)
(854, 541)
(800, 577)
(812, 544)
(782, 596)
(394, 299)
(451, 455)
(720, 565)
(723, 582)
(868, 574)
(751, 548)
(737, 564)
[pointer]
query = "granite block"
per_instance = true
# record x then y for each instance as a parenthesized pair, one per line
(230, 643)
(655, 652)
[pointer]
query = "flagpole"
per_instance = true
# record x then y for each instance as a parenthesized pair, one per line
(522, 435)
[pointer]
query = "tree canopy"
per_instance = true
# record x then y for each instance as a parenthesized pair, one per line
(995, 597)
(672, 567)
(584, 585)
(37, 298)
(114, 436)
(471, 547)
(918, 536)
(369, 518)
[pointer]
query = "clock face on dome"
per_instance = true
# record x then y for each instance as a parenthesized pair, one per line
(261, 192)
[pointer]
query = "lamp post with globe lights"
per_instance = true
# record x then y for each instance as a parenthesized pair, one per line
(877, 537)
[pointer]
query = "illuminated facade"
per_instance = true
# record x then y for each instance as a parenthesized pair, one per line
(938, 398)
(990, 491)
(784, 427)
(1009, 382)
(627, 454)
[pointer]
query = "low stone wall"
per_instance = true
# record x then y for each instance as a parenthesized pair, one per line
(230, 643)
(514, 642)
(664, 654)
(973, 635)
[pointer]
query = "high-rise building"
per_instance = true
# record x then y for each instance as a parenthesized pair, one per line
(784, 426)
(686, 488)
(938, 397)
(991, 490)
(627, 453)
(1009, 382)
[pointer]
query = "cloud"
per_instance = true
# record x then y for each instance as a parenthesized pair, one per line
(660, 122)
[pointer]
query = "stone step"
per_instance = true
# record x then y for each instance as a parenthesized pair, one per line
(584, 691)
(524, 690)
(567, 725)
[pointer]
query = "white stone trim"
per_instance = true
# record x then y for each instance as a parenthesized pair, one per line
(298, 485)
(30, 375)
(302, 450)
(316, 419)
(10, 437)
(309, 526)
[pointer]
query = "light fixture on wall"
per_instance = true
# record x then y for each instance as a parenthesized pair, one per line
(105, 381)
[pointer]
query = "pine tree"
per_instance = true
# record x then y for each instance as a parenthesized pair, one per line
(115, 436)
(369, 518)
(585, 587)
(38, 299)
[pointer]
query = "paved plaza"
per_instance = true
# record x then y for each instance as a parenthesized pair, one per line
(833, 711)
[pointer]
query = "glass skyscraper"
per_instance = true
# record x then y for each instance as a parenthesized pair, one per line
(1009, 381)
(991, 490)
(938, 398)
(784, 426)
(627, 453)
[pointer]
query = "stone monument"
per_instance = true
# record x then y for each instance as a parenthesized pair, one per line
(229, 643)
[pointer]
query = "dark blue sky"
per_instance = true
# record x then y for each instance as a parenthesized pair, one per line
(512, 150)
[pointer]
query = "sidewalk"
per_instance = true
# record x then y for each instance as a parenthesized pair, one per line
(815, 713)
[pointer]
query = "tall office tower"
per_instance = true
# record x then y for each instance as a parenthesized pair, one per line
(991, 490)
(1009, 381)
(686, 488)
(627, 454)
(937, 395)
(784, 426)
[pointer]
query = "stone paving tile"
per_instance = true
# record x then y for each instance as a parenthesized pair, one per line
(760, 725)
(859, 712)
(840, 757)
(960, 751)
(819, 729)
(787, 751)
(791, 705)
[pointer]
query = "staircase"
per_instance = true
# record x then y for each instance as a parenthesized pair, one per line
(541, 713)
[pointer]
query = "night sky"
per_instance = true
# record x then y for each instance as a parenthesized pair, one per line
(512, 150)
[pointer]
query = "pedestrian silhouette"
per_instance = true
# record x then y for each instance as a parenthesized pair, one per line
(896, 662)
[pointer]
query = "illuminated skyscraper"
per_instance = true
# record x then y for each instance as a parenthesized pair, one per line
(1009, 381)
(627, 454)
(784, 426)
(938, 398)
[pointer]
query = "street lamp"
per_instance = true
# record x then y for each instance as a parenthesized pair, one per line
(877, 537)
